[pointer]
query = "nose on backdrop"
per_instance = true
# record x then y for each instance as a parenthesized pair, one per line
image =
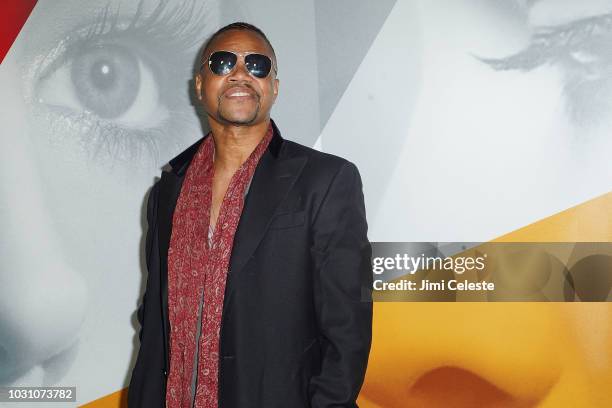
(510, 355)
(42, 299)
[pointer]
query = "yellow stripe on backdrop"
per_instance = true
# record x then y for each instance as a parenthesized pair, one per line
(492, 354)
(587, 222)
(115, 400)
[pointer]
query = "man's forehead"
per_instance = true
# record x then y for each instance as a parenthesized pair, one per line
(239, 41)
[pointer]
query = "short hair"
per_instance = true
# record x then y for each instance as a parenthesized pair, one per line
(239, 25)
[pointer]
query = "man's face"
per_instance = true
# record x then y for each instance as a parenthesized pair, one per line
(237, 98)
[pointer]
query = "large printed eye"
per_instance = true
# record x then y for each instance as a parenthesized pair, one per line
(110, 81)
(116, 86)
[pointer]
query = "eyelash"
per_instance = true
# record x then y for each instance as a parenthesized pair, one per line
(174, 32)
(585, 65)
(548, 43)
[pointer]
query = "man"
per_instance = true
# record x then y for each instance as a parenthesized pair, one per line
(259, 285)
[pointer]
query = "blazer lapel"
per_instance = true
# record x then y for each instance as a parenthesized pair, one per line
(271, 182)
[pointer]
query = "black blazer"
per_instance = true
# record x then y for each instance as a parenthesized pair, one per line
(297, 313)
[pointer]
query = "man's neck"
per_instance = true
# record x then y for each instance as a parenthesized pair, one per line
(234, 144)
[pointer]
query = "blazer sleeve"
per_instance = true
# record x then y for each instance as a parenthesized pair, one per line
(343, 298)
(146, 387)
(151, 226)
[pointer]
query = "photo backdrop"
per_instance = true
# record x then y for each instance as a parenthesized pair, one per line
(469, 120)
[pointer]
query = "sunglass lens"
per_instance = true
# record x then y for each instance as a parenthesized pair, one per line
(258, 65)
(222, 62)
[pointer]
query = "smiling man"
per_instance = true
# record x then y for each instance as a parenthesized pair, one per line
(259, 285)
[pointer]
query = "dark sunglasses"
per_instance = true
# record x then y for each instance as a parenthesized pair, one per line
(223, 62)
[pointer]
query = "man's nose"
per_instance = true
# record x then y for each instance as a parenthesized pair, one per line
(240, 72)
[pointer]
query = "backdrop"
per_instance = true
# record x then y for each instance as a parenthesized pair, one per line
(470, 120)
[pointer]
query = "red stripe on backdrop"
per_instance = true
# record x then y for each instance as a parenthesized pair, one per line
(13, 14)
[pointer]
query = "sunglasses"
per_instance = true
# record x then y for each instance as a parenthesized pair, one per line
(223, 62)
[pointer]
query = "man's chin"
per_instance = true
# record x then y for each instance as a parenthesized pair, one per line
(238, 120)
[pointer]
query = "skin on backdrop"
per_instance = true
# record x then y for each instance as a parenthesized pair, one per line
(547, 110)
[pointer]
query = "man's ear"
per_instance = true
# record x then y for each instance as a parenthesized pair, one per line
(198, 86)
(275, 87)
